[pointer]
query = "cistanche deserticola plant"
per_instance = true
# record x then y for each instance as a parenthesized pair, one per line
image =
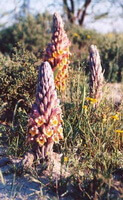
(45, 123)
(96, 75)
(57, 52)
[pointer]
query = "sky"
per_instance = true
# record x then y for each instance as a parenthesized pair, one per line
(113, 23)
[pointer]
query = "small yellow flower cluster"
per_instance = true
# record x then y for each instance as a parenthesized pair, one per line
(110, 35)
(85, 107)
(42, 132)
(66, 159)
(106, 117)
(118, 131)
(88, 36)
(76, 35)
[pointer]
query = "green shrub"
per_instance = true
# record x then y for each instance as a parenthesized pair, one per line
(109, 45)
(18, 80)
(111, 52)
(32, 31)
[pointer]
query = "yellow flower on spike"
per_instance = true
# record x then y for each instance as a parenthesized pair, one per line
(64, 61)
(60, 119)
(62, 75)
(60, 132)
(63, 87)
(55, 138)
(40, 121)
(48, 132)
(55, 54)
(51, 59)
(40, 140)
(60, 52)
(33, 131)
(54, 121)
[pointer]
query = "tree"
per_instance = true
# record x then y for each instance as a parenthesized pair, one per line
(71, 12)
(76, 10)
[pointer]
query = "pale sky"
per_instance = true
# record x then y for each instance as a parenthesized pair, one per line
(113, 23)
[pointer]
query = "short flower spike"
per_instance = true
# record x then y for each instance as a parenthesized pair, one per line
(57, 52)
(96, 74)
(45, 123)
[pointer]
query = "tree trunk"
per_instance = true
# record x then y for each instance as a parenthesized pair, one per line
(70, 10)
(82, 18)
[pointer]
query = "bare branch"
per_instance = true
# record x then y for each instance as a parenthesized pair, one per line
(85, 6)
(70, 10)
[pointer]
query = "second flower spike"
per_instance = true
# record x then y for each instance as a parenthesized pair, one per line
(57, 52)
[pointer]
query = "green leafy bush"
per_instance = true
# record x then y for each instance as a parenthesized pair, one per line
(32, 31)
(18, 80)
(109, 45)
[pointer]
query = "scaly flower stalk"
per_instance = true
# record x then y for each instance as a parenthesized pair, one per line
(57, 52)
(96, 75)
(45, 123)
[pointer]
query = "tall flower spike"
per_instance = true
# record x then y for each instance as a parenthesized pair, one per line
(96, 75)
(46, 117)
(57, 52)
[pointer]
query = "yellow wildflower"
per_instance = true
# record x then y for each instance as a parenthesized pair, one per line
(92, 100)
(88, 36)
(110, 35)
(76, 35)
(66, 159)
(115, 117)
(104, 118)
(85, 107)
(118, 131)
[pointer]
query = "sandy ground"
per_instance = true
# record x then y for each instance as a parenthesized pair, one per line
(114, 92)
(27, 186)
